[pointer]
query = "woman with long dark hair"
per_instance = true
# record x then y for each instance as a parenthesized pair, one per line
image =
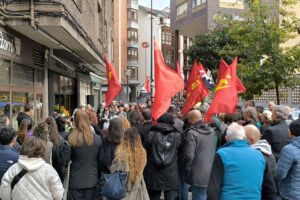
(24, 130)
(85, 157)
(110, 141)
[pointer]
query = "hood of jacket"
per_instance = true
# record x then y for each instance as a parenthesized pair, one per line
(263, 146)
(31, 164)
(296, 142)
(163, 128)
(202, 128)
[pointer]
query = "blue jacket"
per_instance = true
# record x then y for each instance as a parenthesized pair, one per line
(240, 172)
(8, 156)
(287, 171)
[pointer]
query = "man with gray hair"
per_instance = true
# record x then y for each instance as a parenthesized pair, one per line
(278, 134)
(250, 116)
(238, 169)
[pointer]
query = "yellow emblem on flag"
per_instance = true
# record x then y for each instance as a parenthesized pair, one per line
(223, 83)
(109, 75)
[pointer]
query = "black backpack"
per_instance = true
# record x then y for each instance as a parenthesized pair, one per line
(164, 149)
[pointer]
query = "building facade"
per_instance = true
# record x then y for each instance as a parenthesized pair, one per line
(161, 32)
(190, 18)
(51, 53)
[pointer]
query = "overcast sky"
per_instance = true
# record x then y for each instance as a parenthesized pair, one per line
(157, 4)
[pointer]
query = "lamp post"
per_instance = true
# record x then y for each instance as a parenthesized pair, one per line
(128, 72)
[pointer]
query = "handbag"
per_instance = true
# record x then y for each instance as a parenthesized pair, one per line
(113, 186)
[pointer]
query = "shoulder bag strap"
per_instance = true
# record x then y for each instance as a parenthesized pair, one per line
(17, 178)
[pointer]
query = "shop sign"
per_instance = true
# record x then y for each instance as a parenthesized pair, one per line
(9, 43)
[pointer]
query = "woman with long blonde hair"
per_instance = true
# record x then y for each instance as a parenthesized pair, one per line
(131, 158)
(85, 157)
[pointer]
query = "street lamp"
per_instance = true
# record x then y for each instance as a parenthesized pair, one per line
(128, 72)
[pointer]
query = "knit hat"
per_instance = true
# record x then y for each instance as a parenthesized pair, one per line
(295, 128)
(268, 114)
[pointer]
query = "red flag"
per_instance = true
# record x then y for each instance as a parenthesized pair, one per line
(167, 84)
(196, 89)
(226, 92)
(114, 86)
(239, 86)
(147, 86)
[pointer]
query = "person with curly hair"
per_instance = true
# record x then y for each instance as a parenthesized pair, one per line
(131, 158)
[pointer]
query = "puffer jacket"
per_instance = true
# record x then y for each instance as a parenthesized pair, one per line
(287, 171)
(40, 182)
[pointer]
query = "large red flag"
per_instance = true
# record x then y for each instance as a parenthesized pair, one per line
(196, 89)
(167, 84)
(114, 86)
(226, 92)
(147, 86)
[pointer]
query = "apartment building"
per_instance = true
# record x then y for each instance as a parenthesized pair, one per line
(51, 54)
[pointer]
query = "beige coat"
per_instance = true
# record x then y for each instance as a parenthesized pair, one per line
(137, 191)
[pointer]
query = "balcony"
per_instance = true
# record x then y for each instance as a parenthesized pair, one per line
(133, 43)
(133, 5)
(133, 63)
(55, 29)
(133, 24)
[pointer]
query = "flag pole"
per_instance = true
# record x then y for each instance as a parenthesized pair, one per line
(151, 66)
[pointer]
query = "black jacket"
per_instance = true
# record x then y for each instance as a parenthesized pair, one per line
(277, 136)
(161, 178)
(107, 155)
(178, 124)
(22, 116)
(198, 154)
(269, 187)
(85, 167)
(61, 156)
(144, 129)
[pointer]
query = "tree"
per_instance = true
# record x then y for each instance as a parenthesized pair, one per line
(257, 39)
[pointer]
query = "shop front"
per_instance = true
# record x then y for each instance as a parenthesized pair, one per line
(21, 75)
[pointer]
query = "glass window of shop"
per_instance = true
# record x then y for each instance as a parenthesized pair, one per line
(65, 97)
(20, 84)
(85, 89)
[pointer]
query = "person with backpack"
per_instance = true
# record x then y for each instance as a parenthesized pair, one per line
(31, 177)
(161, 172)
(198, 154)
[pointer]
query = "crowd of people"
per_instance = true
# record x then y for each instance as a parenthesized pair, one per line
(252, 154)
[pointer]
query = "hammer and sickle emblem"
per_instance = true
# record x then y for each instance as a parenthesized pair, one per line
(222, 84)
(109, 75)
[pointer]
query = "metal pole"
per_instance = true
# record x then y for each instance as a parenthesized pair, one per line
(151, 67)
(145, 63)
(127, 89)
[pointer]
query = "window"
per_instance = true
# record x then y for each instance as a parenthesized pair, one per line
(132, 15)
(22, 75)
(134, 74)
(132, 54)
(181, 9)
(196, 3)
(4, 71)
(132, 34)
